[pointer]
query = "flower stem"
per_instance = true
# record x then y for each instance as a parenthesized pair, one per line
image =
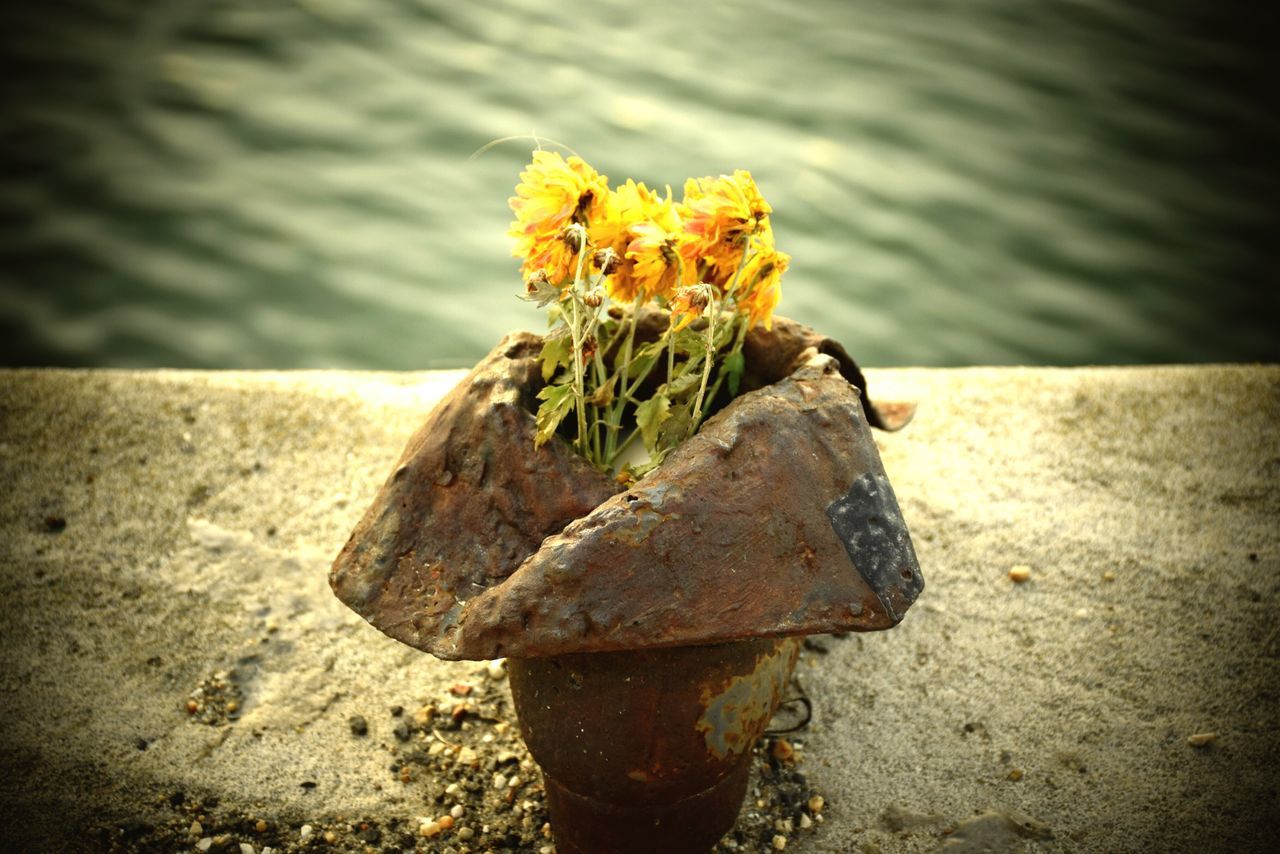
(713, 314)
(614, 420)
(579, 391)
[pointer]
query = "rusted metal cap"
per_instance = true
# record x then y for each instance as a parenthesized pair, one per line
(775, 519)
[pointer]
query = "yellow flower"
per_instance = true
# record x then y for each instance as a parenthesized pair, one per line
(759, 288)
(554, 193)
(688, 304)
(647, 237)
(720, 216)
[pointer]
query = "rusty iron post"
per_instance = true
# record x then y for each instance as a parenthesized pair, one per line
(657, 620)
(648, 750)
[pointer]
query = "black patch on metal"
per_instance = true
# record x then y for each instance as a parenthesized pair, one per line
(867, 520)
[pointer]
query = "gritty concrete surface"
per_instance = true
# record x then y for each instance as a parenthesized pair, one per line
(167, 538)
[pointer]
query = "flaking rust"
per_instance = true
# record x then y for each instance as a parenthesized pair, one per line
(733, 718)
(775, 519)
(650, 632)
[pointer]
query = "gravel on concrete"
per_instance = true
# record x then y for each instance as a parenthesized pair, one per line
(1094, 664)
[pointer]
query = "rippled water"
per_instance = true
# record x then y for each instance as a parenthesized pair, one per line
(272, 184)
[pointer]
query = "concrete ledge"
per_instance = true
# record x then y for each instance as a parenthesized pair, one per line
(162, 528)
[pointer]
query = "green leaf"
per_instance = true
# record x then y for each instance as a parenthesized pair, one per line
(557, 352)
(642, 360)
(691, 343)
(603, 396)
(685, 382)
(557, 401)
(724, 334)
(652, 350)
(650, 415)
(734, 365)
(675, 427)
(543, 293)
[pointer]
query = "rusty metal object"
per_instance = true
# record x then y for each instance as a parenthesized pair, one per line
(648, 750)
(775, 519)
(468, 501)
(649, 632)
(773, 354)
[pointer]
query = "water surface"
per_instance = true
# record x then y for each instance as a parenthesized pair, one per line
(288, 184)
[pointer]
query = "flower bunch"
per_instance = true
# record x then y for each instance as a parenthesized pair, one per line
(597, 256)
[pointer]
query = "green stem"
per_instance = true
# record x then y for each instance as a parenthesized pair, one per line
(614, 421)
(720, 374)
(579, 390)
(707, 361)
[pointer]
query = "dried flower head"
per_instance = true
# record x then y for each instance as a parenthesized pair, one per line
(689, 304)
(552, 194)
(758, 287)
(650, 235)
(720, 216)
(606, 260)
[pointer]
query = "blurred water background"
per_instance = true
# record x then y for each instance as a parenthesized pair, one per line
(288, 184)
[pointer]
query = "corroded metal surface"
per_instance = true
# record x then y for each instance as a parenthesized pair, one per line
(772, 354)
(751, 528)
(649, 750)
(775, 353)
(468, 501)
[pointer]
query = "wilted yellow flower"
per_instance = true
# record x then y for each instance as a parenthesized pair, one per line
(759, 288)
(720, 216)
(625, 206)
(689, 303)
(649, 235)
(554, 193)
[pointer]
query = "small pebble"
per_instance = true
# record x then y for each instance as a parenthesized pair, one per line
(499, 781)
(423, 715)
(457, 811)
(246, 848)
(1020, 573)
(497, 669)
(514, 782)
(547, 849)
(1082, 613)
(1015, 775)
(783, 751)
(359, 726)
(465, 833)
(205, 844)
(260, 826)
(330, 837)
(431, 828)
(816, 803)
(304, 832)
(1108, 576)
(1202, 739)
(452, 789)
(196, 829)
(232, 707)
(445, 822)
(779, 842)
(805, 821)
